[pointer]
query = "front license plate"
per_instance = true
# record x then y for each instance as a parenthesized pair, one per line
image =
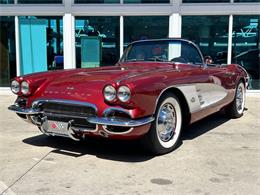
(57, 127)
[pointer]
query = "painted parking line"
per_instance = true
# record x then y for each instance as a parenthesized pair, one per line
(47, 161)
(3, 187)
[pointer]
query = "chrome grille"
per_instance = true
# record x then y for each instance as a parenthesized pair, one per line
(69, 110)
(65, 112)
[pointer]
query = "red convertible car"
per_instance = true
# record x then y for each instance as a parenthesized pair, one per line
(156, 88)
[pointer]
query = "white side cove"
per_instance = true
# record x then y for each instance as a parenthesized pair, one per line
(202, 95)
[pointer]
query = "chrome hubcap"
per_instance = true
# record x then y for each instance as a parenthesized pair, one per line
(240, 98)
(166, 122)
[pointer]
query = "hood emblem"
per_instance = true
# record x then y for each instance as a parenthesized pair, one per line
(70, 88)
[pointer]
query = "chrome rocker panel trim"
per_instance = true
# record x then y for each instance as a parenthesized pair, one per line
(120, 122)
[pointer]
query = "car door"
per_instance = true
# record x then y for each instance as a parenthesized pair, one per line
(221, 75)
(223, 79)
(212, 82)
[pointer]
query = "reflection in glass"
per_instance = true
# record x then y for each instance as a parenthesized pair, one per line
(6, 1)
(7, 50)
(146, 1)
(210, 33)
(251, 1)
(39, 1)
(96, 1)
(41, 43)
(97, 41)
(205, 1)
(246, 47)
(145, 27)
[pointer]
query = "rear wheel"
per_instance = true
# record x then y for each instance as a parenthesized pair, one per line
(236, 108)
(165, 130)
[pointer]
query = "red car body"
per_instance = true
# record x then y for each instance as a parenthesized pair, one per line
(201, 89)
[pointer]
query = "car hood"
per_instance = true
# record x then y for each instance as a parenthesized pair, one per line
(96, 79)
(82, 84)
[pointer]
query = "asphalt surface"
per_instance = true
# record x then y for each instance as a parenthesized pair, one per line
(216, 156)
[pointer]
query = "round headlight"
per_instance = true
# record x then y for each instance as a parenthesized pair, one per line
(15, 86)
(25, 87)
(124, 93)
(109, 93)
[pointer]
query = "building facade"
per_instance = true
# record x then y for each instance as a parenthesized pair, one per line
(41, 35)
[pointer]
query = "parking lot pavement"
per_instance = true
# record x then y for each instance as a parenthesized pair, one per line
(216, 156)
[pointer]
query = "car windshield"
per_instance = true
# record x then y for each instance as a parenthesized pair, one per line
(163, 51)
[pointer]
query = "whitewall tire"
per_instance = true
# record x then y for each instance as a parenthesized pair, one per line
(237, 106)
(165, 130)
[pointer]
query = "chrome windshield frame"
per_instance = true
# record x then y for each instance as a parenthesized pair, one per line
(121, 60)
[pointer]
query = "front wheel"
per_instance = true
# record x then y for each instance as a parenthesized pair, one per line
(165, 130)
(236, 108)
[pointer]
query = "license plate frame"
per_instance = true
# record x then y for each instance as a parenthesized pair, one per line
(57, 127)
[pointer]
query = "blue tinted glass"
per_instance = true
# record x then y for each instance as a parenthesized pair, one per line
(210, 33)
(145, 27)
(246, 47)
(205, 1)
(251, 1)
(96, 1)
(6, 1)
(146, 1)
(41, 35)
(39, 1)
(97, 41)
(7, 50)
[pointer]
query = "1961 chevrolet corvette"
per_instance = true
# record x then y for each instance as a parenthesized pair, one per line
(156, 88)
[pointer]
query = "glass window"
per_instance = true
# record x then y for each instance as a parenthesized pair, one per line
(205, 1)
(39, 1)
(246, 47)
(163, 50)
(97, 41)
(6, 1)
(41, 43)
(146, 1)
(251, 1)
(145, 27)
(96, 1)
(210, 33)
(7, 50)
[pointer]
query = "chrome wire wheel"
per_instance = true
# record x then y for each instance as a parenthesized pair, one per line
(166, 122)
(240, 98)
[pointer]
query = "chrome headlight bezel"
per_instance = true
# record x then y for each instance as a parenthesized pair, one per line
(15, 86)
(25, 88)
(124, 93)
(109, 93)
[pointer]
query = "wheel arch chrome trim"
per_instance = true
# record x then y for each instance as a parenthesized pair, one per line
(175, 87)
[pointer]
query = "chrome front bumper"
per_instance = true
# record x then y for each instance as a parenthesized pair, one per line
(119, 121)
(105, 121)
(27, 111)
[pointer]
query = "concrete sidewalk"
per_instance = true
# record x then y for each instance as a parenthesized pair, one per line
(217, 156)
